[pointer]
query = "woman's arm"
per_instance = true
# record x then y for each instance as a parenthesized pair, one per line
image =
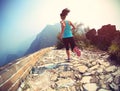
(62, 29)
(73, 27)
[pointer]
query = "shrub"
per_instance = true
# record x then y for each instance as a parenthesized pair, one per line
(59, 44)
(114, 49)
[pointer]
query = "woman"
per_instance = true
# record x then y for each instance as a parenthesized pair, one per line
(66, 34)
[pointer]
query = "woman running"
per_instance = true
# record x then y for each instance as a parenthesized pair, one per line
(66, 34)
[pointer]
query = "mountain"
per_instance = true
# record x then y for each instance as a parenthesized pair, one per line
(46, 38)
(11, 57)
(15, 53)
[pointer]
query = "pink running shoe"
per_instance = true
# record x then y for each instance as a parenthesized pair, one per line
(77, 51)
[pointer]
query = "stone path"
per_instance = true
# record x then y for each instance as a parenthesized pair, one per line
(90, 72)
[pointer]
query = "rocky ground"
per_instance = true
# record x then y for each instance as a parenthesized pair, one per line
(91, 72)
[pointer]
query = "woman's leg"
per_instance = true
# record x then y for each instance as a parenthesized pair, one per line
(77, 51)
(72, 43)
(66, 43)
(74, 48)
(68, 54)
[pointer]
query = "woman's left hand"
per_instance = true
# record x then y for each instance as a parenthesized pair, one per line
(60, 37)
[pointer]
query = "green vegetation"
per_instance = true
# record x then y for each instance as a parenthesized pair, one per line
(59, 44)
(114, 48)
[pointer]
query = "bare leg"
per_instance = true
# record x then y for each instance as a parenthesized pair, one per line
(68, 54)
(77, 51)
(74, 49)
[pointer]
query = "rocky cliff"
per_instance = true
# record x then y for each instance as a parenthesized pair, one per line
(91, 72)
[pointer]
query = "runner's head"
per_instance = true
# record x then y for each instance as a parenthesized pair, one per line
(64, 13)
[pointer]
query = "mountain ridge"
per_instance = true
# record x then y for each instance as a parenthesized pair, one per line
(46, 38)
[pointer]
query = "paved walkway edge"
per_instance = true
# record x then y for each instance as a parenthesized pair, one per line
(15, 72)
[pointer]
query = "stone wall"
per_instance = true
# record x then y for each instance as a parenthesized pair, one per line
(12, 74)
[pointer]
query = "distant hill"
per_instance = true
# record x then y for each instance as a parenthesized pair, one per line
(11, 57)
(46, 38)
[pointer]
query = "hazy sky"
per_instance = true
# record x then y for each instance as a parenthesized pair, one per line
(22, 19)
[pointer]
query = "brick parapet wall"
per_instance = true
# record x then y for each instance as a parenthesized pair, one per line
(13, 73)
